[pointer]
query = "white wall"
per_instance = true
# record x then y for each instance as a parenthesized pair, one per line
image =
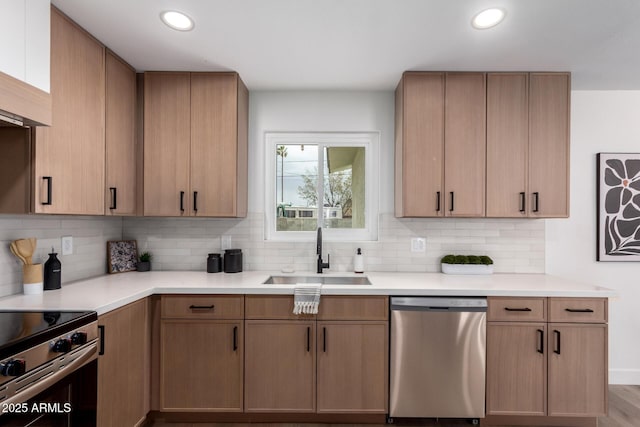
(601, 121)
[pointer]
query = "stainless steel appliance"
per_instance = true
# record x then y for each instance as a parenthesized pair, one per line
(48, 368)
(438, 353)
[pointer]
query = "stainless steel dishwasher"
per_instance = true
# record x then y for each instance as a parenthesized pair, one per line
(438, 353)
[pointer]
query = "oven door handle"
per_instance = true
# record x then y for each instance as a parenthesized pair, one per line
(83, 356)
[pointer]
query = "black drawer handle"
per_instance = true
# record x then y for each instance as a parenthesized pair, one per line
(182, 201)
(522, 202)
(308, 338)
(517, 309)
(536, 201)
(324, 340)
(437, 201)
(452, 199)
(195, 201)
(114, 197)
(578, 310)
(101, 331)
(540, 341)
(202, 307)
(556, 333)
(48, 179)
(235, 338)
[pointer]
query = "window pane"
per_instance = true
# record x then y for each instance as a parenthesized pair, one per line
(296, 187)
(344, 187)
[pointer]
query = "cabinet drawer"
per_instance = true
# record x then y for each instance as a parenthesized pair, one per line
(357, 307)
(580, 310)
(202, 307)
(273, 307)
(507, 309)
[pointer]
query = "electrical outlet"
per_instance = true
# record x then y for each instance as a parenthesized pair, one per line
(225, 242)
(418, 244)
(67, 245)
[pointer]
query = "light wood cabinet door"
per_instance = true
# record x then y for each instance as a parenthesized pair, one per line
(465, 144)
(516, 368)
(507, 144)
(120, 137)
(15, 170)
(280, 366)
(167, 141)
(352, 367)
(419, 148)
(70, 155)
(123, 380)
(578, 377)
(201, 365)
(549, 96)
(214, 144)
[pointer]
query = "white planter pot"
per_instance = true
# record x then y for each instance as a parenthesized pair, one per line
(467, 269)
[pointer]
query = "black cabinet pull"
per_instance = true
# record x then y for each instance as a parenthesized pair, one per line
(536, 201)
(452, 197)
(182, 201)
(202, 307)
(235, 338)
(540, 341)
(437, 201)
(578, 310)
(522, 202)
(48, 179)
(101, 332)
(324, 340)
(556, 333)
(195, 201)
(308, 338)
(517, 309)
(114, 197)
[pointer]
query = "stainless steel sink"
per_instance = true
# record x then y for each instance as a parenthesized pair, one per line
(325, 280)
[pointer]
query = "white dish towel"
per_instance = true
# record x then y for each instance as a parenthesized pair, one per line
(306, 298)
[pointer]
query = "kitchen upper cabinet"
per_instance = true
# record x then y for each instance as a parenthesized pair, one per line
(352, 367)
(167, 141)
(120, 137)
(549, 96)
(201, 353)
(528, 145)
(465, 144)
(440, 144)
(195, 147)
(280, 366)
(15, 170)
(69, 156)
(123, 380)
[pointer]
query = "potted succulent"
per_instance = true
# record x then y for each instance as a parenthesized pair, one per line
(144, 263)
(467, 264)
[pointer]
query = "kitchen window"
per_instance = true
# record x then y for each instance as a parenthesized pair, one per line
(338, 169)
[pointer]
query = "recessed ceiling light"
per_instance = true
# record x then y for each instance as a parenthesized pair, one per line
(177, 20)
(488, 18)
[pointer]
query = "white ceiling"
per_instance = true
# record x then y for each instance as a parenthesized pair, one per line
(367, 44)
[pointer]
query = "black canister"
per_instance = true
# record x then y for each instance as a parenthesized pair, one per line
(233, 260)
(52, 272)
(214, 263)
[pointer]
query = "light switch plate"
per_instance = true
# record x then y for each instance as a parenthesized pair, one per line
(418, 244)
(225, 242)
(67, 245)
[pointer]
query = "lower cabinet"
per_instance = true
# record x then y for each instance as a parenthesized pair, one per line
(280, 366)
(123, 391)
(555, 366)
(202, 354)
(352, 367)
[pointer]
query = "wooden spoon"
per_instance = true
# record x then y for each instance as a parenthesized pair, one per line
(34, 244)
(14, 251)
(24, 248)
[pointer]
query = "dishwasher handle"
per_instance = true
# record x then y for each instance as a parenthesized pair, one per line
(439, 304)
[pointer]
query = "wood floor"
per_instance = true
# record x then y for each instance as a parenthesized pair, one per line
(624, 411)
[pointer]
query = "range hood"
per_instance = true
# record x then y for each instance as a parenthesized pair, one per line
(8, 119)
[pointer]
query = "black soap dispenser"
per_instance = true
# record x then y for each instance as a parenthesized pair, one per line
(52, 272)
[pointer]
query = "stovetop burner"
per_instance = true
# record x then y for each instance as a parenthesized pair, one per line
(20, 330)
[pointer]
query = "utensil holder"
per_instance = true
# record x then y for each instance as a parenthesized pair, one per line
(32, 279)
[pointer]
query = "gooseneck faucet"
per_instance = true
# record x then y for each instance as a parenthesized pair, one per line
(321, 264)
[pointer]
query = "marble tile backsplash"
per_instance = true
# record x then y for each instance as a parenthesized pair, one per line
(516, 245)
(90, 235)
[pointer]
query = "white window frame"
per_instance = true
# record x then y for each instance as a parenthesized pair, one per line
(369, 140)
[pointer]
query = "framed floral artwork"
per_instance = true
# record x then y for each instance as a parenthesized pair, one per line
(618, 207)
(122, 255)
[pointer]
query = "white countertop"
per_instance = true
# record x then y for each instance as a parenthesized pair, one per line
(106, 293)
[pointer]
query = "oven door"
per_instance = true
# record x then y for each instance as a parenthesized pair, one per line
(66, 397)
